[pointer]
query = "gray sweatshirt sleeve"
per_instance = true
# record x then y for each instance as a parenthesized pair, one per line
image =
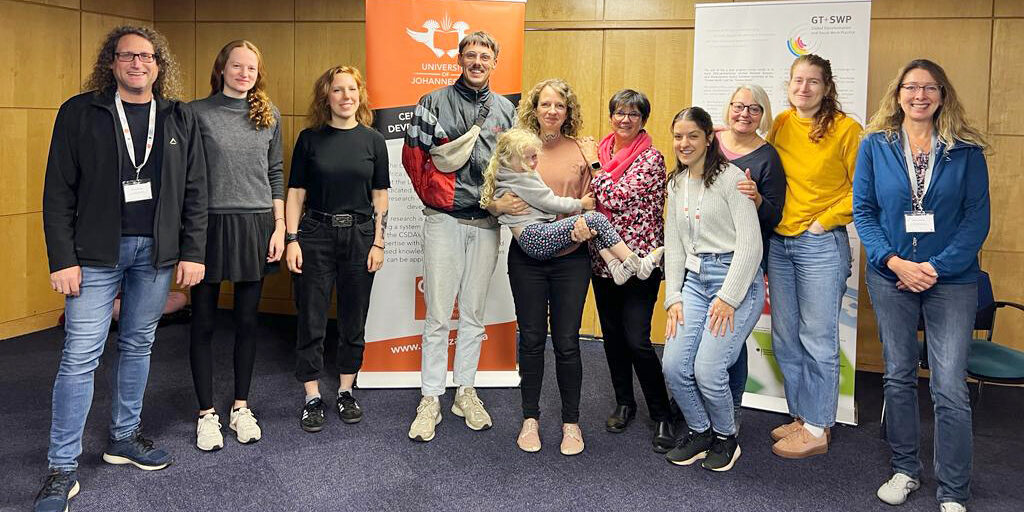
(675, 249)
(532, 189)
(746, 257)
(275, 159)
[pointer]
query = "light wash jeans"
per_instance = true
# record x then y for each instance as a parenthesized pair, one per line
(949, 311)
(696, 362)
(458, 261)
(806, 282)
(87, 324)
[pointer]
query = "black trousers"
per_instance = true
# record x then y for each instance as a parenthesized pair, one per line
(558, 287)
(204, 318)
(332, 257)
(625, 312)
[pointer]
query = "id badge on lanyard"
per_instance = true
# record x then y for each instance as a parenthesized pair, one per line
(137, 189)
(692, 227)
(920, 222)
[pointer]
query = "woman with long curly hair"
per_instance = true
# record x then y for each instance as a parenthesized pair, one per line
(809, 253)
(555, 288)
(714, 289)
(242, 139)
(336, 216)
(921, 207)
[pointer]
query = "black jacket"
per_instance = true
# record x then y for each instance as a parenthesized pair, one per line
(82, 191)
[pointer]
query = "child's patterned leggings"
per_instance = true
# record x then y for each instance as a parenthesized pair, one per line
(545, 239)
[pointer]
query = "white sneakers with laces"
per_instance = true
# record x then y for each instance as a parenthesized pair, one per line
(244, 424)
(469, 406)
(896, 490)
(208, 435)
(428, 415)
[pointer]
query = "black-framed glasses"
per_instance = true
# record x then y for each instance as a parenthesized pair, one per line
(620, 115)
(130, 56)
(928, 88)
(754, 108)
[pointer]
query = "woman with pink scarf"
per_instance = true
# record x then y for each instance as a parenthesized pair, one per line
(629, 185)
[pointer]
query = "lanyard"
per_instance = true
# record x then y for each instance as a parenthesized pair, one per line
(692, 228)
(916, 194)
(151, 131)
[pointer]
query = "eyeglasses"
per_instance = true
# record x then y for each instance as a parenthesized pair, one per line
(130, 56)
(620, 115)
(755, 109)
(928, 88)
(482, 57)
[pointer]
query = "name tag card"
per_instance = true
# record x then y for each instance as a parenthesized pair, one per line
(920, 222)
(137, 190)
(693, 263)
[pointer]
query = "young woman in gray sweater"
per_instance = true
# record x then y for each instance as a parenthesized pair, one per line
(512, 169)
(714, 289)
(241, 132)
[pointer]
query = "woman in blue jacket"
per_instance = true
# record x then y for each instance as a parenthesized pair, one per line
(921, 206)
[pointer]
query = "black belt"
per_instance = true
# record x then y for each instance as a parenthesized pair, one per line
(338, 220)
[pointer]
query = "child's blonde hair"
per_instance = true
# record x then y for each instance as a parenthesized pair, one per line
(511, 145)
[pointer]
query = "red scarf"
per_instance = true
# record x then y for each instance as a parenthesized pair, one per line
(615, 165)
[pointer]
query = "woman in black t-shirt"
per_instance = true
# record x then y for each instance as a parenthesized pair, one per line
(338, 186)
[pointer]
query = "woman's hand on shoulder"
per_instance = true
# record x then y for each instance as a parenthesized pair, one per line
(748, 187)
(589, 148)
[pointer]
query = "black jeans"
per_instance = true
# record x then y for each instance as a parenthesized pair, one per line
(204, 318)
(625, 312)
(558, 285)
(332, 257)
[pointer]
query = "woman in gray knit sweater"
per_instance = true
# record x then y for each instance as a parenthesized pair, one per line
(714, 289)
(242, 139)
(513, 169)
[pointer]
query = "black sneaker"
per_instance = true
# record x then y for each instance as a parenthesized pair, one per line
(312, 419)
(348, 408)
(137, 451)
(691, 448)
(59, 488)
(723, 454)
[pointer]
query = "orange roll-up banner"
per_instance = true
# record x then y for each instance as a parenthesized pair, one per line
(412, 49)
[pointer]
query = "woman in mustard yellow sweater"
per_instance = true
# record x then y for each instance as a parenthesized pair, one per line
(809, 254)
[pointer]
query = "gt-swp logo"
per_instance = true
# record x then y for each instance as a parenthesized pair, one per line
(442, 38)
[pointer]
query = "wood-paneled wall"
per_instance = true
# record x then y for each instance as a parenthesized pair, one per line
(597, 45)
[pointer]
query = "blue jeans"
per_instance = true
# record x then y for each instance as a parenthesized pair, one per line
(948, 311)
(806, 282)
(87, 323)
(696, 362)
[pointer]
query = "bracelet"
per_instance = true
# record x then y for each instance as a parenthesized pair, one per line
(381, 247)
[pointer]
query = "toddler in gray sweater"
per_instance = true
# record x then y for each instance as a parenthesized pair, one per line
(512, 170)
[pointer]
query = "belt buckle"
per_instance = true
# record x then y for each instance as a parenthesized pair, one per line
(341, 220)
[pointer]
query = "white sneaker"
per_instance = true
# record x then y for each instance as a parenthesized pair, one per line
(469, 406)
(428, 415)
(952, 506)
(896, 490)
(244, 425)
(208, 436)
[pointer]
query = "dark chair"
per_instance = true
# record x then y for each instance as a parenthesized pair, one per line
(988, 361)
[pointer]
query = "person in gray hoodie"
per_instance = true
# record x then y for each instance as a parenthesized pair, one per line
(512, 170)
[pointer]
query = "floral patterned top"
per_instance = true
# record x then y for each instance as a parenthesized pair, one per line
(636, 202)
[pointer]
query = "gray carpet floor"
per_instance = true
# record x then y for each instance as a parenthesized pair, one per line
(373, 466)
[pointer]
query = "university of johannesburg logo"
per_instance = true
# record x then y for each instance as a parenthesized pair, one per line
(442, 38)
(798, 43)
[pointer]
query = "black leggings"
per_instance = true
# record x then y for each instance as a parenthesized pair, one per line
(559, 286)
(204, 318)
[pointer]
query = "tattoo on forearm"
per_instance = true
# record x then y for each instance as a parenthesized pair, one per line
(383, 222)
